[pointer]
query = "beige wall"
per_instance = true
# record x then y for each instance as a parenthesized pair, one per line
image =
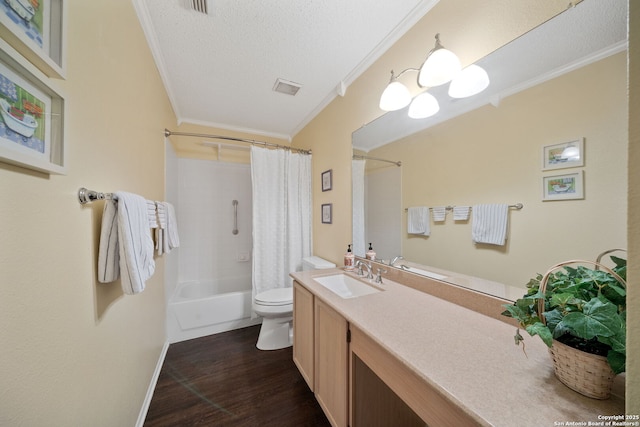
(464, 23)
(74, 351)
(493, 155)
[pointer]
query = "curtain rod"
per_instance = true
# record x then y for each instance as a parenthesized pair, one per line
(168, 133)
(360, 156)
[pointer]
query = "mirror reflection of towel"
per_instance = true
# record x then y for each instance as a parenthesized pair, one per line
(490, 224)
(418, 219)
(439, 213)
(461, 213)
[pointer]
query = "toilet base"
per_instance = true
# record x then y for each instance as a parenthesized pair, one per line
(275, 333)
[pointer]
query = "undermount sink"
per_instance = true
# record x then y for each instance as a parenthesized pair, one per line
(346, 286)
(425, 273)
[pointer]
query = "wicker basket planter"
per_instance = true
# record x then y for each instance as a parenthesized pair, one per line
(584, 328)
(586, 373)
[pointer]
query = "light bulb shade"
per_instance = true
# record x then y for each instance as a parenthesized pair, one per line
(470, 81)
(423, 106)
(439, 68)
(395, 96)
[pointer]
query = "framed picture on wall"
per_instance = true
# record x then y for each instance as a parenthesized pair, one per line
(563, 187)
(566, 155)
(326, 213)
(35, 29)
(31, 116)
(327, 180)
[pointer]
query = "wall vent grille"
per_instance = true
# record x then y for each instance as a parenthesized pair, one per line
(200, 6)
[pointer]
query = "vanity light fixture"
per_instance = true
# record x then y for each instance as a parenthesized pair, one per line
(423, 106)
(441, 66)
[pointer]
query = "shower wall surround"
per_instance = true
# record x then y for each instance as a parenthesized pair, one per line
(209, 250)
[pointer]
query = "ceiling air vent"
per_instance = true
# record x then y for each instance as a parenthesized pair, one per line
(200, 6)
(286, 87)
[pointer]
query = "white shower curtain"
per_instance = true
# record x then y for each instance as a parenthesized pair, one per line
(281, 182)
(357, 192)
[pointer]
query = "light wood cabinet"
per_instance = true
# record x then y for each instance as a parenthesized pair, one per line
(331, 363)
(303, 332)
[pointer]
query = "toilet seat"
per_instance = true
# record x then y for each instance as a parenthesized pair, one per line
(275, 297)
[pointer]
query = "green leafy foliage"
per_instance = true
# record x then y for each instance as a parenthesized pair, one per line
(583, 307)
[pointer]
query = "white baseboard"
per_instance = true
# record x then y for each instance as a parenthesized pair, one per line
(152, 386)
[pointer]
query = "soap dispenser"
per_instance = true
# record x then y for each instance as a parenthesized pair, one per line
(371, 254)
(348, 259)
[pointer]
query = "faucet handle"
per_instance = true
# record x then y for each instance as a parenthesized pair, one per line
(379, 275)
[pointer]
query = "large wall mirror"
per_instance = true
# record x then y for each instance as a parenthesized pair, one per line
(565, 81)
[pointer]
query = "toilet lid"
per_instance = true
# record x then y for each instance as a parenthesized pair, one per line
(278, 296)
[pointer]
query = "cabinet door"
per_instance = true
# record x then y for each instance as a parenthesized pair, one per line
(331, 363)
(303, 332)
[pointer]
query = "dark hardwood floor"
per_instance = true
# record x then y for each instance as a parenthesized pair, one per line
(224, 380)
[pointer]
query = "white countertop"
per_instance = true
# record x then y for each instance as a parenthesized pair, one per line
(469, 357)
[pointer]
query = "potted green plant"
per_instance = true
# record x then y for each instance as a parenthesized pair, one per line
(580, 314)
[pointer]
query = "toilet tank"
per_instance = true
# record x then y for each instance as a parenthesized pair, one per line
(316, 263)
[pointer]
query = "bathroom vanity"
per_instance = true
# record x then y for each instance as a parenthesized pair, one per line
(416, 351)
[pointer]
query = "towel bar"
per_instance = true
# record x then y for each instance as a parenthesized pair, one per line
(87, 196)
(516, 206)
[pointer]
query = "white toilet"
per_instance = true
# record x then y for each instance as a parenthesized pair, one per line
(276, 308)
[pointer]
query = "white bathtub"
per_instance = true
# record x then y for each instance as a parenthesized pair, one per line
(198, 309)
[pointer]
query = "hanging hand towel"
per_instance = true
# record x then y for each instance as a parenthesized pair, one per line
(151, 212)
(418, 219)
(135, 243)
(172, 227)
(167, 231)
(439, 213)
(461, 213)
(490, 224)
(108, 253)
(162, 226)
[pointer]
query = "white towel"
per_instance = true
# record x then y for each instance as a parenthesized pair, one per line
(162, 225)
(134, 242)
(490, 224)
(167, 232)
(418, 220)
(172, 227)
(439, 213)
(151, 212)
(108, 253)
(461, 213)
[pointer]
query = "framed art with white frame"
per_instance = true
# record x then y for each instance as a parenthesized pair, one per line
(565, 155)
(563, 187)
(31, 116)
(36, 30)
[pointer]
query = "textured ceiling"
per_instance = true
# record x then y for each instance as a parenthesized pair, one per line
(219, 69)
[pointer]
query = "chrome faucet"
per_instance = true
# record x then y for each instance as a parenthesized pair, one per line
(379, 275)
(396, 259)
(359, 264)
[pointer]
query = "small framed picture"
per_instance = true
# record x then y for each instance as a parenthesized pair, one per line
(566, 155)
(326, 213)
(563, 187)
(326, 180)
